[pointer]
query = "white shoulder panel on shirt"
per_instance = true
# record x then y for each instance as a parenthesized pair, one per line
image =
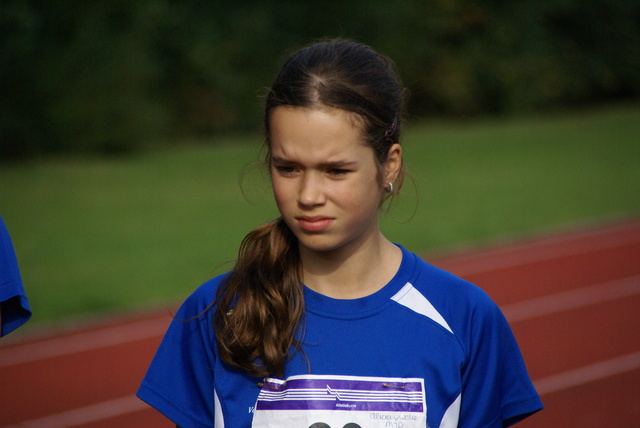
(411, 298)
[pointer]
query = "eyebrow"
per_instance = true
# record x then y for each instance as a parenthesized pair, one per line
(336, 164)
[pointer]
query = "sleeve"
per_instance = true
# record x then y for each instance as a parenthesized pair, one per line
(496, 388)
(15, 309)
(180, 380)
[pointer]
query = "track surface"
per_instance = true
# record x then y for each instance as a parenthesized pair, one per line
(572, 299)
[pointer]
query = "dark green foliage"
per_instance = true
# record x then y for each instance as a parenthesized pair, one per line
(112, 75)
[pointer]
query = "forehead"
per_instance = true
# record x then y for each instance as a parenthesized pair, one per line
(326, 133)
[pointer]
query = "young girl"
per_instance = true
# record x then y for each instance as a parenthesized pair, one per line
(323, 322)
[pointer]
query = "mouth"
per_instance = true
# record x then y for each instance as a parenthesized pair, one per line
(315, 223)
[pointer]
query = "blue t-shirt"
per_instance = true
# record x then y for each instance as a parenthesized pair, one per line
(15, 306)
(428, 349)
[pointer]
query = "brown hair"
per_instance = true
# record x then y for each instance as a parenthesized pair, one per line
(260, 304)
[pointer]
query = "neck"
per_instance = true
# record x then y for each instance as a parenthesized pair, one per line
(352, 272)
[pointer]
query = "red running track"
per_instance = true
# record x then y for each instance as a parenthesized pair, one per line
(572, 299)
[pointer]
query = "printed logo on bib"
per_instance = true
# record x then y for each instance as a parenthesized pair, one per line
(341, 402)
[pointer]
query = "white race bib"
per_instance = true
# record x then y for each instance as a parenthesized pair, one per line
(311, 401)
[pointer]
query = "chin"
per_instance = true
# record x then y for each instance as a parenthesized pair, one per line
(317, 245)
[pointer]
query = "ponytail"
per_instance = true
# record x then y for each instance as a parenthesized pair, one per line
(260, 304)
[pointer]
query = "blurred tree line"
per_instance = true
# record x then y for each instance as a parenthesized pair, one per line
(112, 75)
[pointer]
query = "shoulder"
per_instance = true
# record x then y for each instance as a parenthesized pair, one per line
(202, 298)
(493, 375)
(446, 288)
(461, 304)
(180, 379)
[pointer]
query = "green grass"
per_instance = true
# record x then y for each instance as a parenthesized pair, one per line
(482, 180)
(100, 235)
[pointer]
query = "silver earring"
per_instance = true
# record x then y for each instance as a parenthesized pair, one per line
(389, 188)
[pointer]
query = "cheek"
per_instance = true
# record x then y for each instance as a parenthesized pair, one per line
(281, 194)
(364, 194)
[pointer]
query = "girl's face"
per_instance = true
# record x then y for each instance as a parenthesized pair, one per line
(326, 181)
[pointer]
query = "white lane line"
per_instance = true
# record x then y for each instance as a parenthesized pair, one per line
(573, 299)
(84, 415)
(586, 374)
(84, 341)
(507, 256)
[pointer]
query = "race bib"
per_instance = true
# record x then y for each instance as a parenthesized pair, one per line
(311, 401)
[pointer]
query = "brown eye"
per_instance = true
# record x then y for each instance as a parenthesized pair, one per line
(336, 172)
(285, 170)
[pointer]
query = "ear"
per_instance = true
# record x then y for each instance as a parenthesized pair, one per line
(393, 164)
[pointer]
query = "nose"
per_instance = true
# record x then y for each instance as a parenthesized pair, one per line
(311, 192)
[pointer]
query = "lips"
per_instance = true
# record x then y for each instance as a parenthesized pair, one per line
(314, 224)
